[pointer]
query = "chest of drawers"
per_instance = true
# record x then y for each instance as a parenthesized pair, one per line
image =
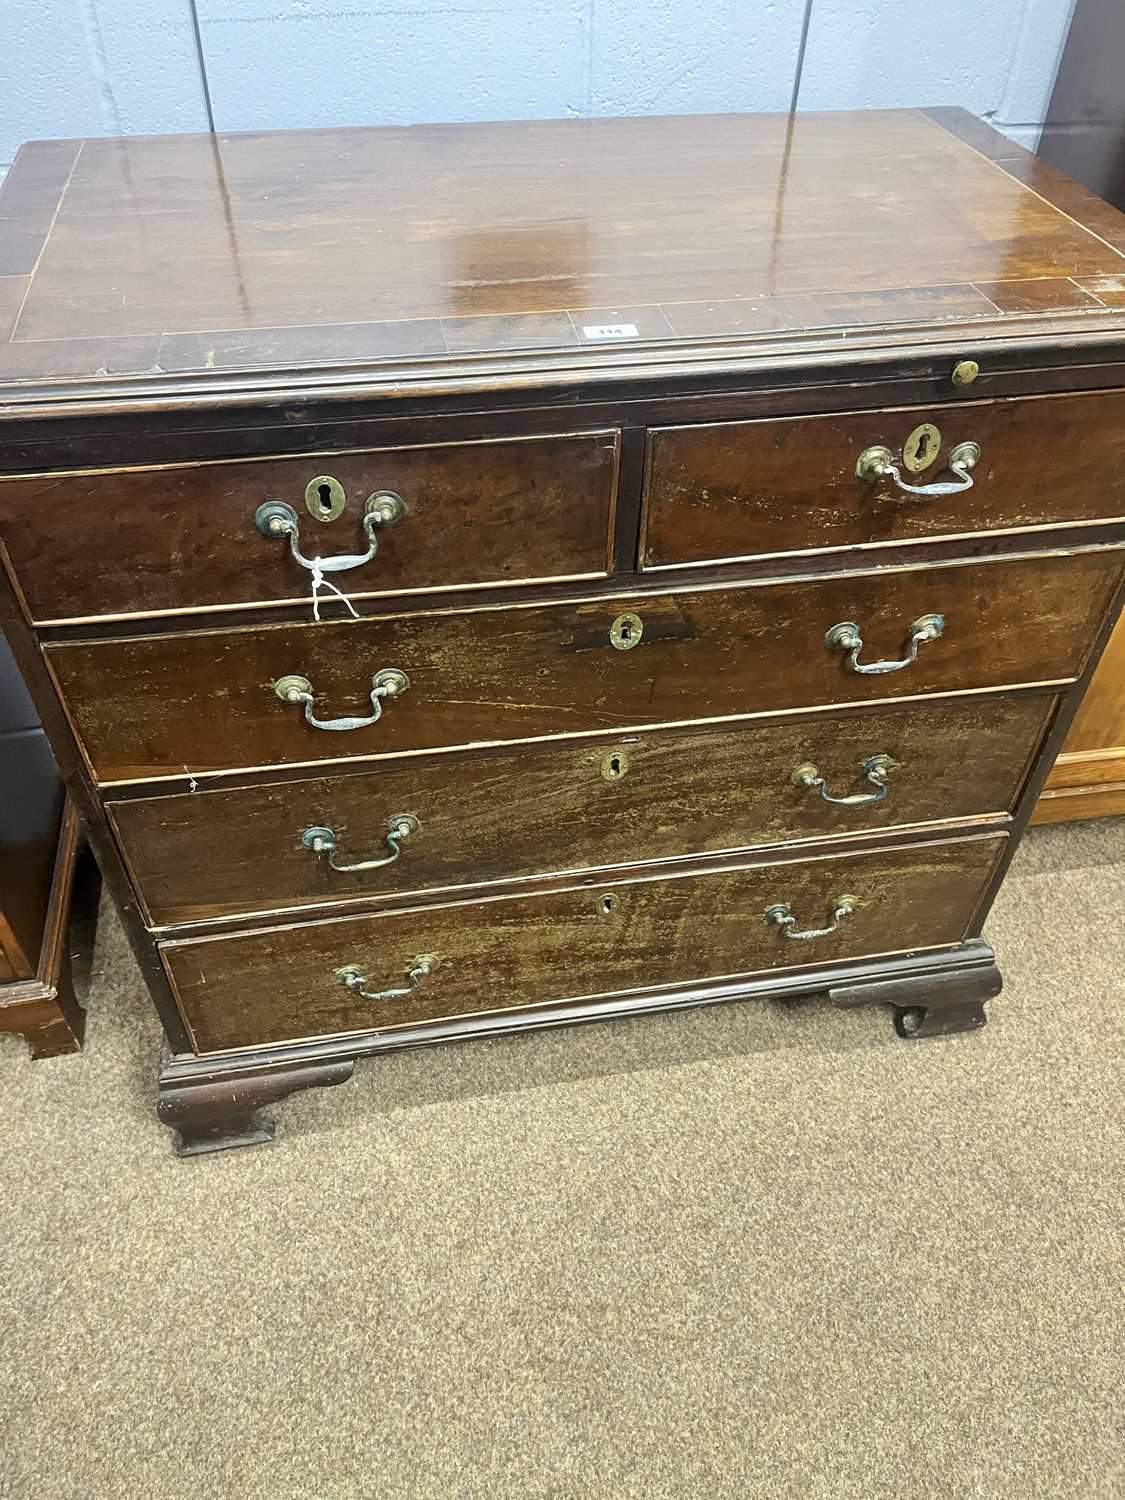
(493, 577)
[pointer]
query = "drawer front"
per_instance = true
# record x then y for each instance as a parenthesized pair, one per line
(140, 541)
(517, 814)
(284, 983)
(744, 489)
(204, 701)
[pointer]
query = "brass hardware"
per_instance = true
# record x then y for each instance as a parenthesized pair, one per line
(608, 903)
(354, 979)
(846, 637)
(781, 915)
(614, 765)
(325, 498)
(875, 768)
(387, 508)
(965, 371)
(388, 683)
(626, 632)
(921, 448)
(399, 828)
(878, 462)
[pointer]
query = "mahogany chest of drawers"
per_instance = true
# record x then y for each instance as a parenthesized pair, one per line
(491, 577)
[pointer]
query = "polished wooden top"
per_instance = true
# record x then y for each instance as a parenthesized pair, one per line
(197, 257)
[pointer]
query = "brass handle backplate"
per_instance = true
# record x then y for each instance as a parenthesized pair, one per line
(389, 683)
(846, 637)
(875, 768)
(323, 841)
(781, 915)
(354, 979)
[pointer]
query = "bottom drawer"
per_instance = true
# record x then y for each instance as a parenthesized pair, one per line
(285, 983)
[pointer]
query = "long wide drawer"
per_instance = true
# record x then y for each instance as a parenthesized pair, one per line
(742, 489)
(139, 541)
(516, 814)
(187, 704)
(304, 981)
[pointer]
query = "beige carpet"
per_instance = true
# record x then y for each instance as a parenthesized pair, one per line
(746, 1252)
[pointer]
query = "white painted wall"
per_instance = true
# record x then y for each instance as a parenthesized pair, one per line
(108, 67)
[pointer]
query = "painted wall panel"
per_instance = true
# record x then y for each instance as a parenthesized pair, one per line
(998, 59)
(398, 63)
(96, 67)
(649, 57)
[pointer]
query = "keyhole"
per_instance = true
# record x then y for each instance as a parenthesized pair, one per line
(607, 904)
(614, 765)
(626, 632)
(923, 447)
(324, 495)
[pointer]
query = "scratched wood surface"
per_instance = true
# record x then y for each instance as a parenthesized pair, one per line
(509, 815)
(535, 949)
(736, 489)
(158, 256)
(184, 536)
(202, 701)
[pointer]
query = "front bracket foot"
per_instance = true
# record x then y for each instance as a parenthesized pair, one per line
(937, 1004)
(218, 1111)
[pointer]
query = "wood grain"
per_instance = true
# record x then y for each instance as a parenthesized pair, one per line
(737, 489)
(281, 984)
(1088, 779)
(183, 537)
(195, 702)
(531, 812)
(194, 254)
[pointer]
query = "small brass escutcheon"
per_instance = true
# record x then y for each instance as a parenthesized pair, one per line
(614, 765)
(921, 448)
(325, 498)
(608, 904)
(626, 632)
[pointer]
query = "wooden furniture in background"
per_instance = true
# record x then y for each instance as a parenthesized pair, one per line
(1085, 136)
(42, 929)
(480, 578)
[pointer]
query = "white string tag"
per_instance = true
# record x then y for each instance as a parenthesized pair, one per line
(319, 581)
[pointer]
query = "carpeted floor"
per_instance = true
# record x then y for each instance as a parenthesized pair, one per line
(751, 1251)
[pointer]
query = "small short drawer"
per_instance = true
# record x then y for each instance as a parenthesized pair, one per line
(747, 489)
(517, 814)
(196, 536)
(198, 702)
(438, 962)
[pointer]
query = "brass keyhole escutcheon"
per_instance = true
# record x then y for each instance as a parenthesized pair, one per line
(921, 448)
(608, 904)
(626, 632)
(614, 765)
(325, 498)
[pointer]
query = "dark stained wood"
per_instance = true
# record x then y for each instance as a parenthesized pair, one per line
(217, 1113)
(195, 303)
(192, 703)
(931, 1005)
(184, 537)
(43, 1007)
(535, 949)
(736, 489)
(166, 250)
(531, 812)
(1084, 133)
(31, 807)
